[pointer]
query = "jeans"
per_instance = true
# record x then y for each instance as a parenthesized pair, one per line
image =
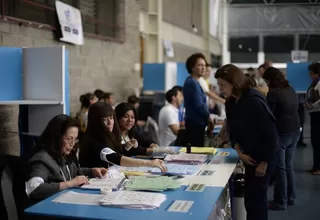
(315, 138)
(284, 189)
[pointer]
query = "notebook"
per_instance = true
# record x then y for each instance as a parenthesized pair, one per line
(133, 200)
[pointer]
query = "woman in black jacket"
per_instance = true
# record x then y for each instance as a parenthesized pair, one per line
(313, 106)
(101, 145)
(283, 102)
(253, 133)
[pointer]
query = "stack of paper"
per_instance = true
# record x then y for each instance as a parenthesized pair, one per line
(200, 150)
(152, 183)
(133, 200)
(72, 197)
(187, 158)
(112, 181)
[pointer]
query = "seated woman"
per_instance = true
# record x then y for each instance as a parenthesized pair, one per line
(51, 168)
(126, 118)
(101, 144)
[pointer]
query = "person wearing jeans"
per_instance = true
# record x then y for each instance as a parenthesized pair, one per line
(284, 189)
(283, 102)
(313, 106)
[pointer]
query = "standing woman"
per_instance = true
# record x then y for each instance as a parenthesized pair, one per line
(283, 102)
(195, 101)
(313, 106)
(253, 134)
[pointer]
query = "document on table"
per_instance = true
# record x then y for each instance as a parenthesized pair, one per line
(72, 197)
(98, 183)
(112, 181)
(133, 200)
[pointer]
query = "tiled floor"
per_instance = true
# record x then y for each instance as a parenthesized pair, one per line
(308, 190)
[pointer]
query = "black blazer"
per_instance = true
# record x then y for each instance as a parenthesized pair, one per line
(252, 125)
(284, 105)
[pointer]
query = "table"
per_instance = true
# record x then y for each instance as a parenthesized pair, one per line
(203, 206)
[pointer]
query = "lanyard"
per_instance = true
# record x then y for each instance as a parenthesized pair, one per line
(63, 175)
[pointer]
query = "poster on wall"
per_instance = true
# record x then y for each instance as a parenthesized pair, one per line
(168, 48)
(71, 23)
(299, 56)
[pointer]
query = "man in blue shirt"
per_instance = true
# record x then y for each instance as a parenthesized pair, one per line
(197, 113)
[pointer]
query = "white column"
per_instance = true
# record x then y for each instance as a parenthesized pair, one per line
(261, 58)
(153, 45)
(225, 36)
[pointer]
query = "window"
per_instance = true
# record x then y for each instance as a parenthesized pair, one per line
(278, 48)
(215, 61)
(244, 49)
(102, 18)
(278, 44)
(310, 43)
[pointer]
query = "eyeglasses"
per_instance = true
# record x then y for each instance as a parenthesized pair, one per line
(70, 140)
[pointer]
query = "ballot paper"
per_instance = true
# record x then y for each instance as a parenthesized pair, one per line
(187, 158)
(72, 197)
(112, 181)
(152, 183)
(175, 169)
(133, 200)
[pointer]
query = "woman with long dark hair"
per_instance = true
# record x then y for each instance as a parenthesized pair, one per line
(130, 137)
(101, 144)
(253, 134)
(52, 167)
(283, 102)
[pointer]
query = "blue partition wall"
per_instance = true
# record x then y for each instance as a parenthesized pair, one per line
(21, 85)
(182, 73)
(67, 84)
(153, 76)
(160, 77)
(298, 77)
(10, 74)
